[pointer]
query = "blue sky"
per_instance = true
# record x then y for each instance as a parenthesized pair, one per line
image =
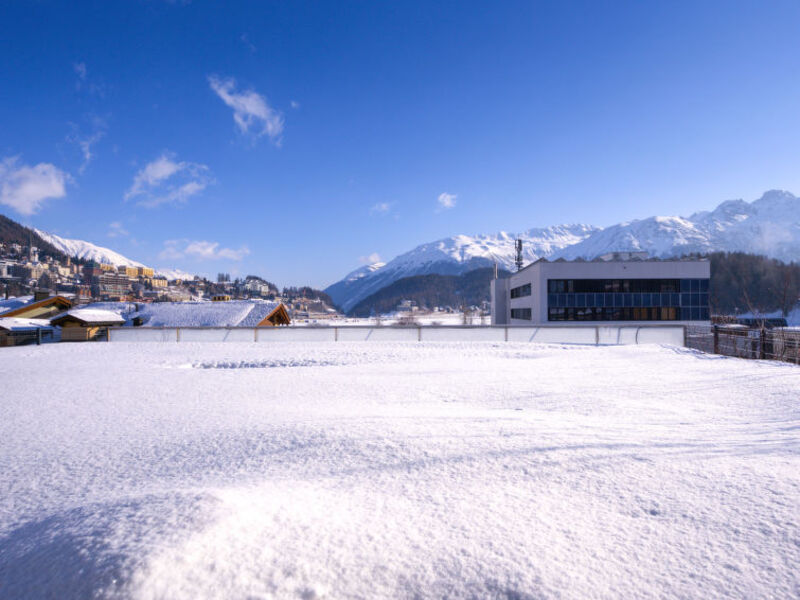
(297, 139)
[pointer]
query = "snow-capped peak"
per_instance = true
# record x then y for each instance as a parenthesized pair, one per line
(769, 225)
(87, 250)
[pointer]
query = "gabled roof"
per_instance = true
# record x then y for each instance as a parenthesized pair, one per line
(260, 311)
(89, 316)
(236, 313)
(29, 304)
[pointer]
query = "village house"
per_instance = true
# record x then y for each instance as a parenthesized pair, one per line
(84, 324)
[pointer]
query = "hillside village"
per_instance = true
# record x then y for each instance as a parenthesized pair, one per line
(23, 270)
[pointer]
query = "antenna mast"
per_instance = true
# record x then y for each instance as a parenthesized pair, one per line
(518, 259)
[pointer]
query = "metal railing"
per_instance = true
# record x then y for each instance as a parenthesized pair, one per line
(595, 335)
(746, 342)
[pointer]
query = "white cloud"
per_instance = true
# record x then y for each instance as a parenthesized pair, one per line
(446, 201)
(251, 112)
(116, 229)
(167, 180)
(294, 104)
(380, 209)
(370, 259)
(25, 188)
(200, 250)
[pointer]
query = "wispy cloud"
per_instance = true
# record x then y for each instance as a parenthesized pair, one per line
(446, 201)
(251, 112)
(84, 83)
(86, 142)
(167, 180)
(200, 250)
(294, 104)
(248, 44)
(80, 70)
(370, 259)
(25, 188)
(381, 208)
(116, 229)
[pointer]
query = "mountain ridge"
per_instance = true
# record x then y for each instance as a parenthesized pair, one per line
(769, 226)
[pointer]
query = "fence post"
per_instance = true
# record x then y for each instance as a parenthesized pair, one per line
(506, 335)
(255, 334)
(716, 339)
(762, 351)
(596, 335)
(177, 334)
(335, 334)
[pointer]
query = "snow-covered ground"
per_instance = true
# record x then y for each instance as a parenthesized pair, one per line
(394, 470)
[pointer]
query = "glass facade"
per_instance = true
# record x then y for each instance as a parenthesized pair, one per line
(523, 290)
(521, 313)
(627, 300)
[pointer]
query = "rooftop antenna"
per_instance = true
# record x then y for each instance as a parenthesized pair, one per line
(518, 258)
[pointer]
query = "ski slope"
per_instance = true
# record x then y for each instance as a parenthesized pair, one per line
(396, 471)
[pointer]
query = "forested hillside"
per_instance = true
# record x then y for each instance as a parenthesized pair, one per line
(428, 291)
(743, 282)
(12, 232)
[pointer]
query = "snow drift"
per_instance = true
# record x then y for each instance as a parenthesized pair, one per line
(396, 471)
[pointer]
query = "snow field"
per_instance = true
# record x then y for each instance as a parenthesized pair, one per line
(396, 470)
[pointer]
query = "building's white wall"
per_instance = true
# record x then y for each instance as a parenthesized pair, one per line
(537, 274)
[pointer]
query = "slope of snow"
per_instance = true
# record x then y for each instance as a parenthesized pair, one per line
(391, 470)
(769, 226)
(87, 250)
(658, 236)
(175, 274)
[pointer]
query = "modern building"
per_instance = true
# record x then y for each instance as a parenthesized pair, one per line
(620, 287)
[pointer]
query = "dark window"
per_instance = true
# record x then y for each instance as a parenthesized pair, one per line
(523, 290)
(627, 299)
(521, 313)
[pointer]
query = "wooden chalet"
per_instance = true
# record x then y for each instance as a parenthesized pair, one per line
(85, 324)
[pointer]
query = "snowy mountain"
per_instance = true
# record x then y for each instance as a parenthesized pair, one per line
(90, 251)
(453, 256)
(174, 274)
(768, 226)
(87, 250)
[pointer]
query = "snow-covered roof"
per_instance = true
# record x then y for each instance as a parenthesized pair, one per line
(236, 313)
(9, 304)
(92, 315)
(19, 324)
